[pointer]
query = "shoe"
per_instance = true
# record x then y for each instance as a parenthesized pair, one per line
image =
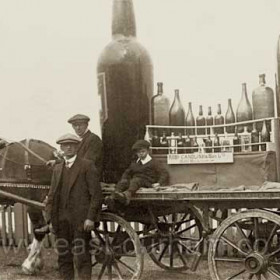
(43, 230)
(110, 202)
(121, 197)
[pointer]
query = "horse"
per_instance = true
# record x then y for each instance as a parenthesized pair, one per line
(24, 174)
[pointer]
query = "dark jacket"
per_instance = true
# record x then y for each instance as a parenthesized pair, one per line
(84, 198)
(152, 172)
(91, 148)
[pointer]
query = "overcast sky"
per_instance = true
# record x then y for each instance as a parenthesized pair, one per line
(49, 51)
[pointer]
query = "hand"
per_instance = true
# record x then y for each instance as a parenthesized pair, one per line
(51, 163)
(90, 225)
(155, 185)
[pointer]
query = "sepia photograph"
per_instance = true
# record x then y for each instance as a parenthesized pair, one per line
(140, 139)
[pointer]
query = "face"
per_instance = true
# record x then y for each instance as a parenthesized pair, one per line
(80, 127)
(142, 153)
(69, 149)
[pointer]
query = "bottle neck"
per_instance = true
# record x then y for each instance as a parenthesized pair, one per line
(262, 80)
(219, 109)
(177, 96)
(160, 89)
(123, 20)
(200, 110)
(209, 111)
(190, 106)
(244, 91)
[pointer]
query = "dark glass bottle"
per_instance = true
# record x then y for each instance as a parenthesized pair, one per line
(219, 119)
(200, 121)
(190, 120)
(177, 113)
(236, 142)
(229, 117)
(208, 144)
(188, 144)
(160, 108)
(254, 138)
(217, 143)
(164, 143)
(263, 103)
(180, 144)
(194, 145)
(125, 85)
(209, 120)
(265, 136)
(244, 110)
(155, 142)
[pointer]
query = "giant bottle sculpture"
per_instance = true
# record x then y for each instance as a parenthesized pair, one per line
(125, 85)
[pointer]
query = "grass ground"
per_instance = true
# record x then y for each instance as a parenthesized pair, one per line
(11, 260)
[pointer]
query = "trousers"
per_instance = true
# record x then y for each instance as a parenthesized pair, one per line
(73, 247)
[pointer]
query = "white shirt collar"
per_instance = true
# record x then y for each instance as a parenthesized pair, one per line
(69, 162)
(145, 160)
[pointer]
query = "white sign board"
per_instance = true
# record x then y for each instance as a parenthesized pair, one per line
(199, 158)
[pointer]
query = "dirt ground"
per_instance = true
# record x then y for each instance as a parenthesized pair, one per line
(11, 260)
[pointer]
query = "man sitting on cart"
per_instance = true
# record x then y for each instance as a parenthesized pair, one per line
(145, 172)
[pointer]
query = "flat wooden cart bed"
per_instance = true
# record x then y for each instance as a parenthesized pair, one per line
(175, 225)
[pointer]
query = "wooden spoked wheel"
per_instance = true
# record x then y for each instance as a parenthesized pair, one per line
(116, 250)
(252, 238)
(175, 241)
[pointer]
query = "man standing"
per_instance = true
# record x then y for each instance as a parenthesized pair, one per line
(73, 208)
(91, 146)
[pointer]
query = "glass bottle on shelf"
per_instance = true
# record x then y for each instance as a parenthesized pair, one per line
(190, 120)
(244, 110)
(155, 142)
(147, 135)
(255, 138)
(263, 103)
(245, 138)
(229, 117)
(164, 143)
(188, 144)
(200, 121)
(177, 113)
(236, 142)
(219, 119)
(208, 144)
(216, 143)
(194, 145)
(160, 108)
(180, 144)
(209, 120)
(172, 143)
(265, 136)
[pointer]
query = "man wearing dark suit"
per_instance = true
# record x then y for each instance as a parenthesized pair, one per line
(91, 146)
(73, 208)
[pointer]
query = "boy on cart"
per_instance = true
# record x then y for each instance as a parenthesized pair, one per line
(145, 172)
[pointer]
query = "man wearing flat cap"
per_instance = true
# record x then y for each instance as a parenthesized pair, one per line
(73, 208)
(91, 146)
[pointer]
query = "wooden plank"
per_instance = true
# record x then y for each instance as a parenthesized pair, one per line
(20, 225)
(10, 226)
(3, 229)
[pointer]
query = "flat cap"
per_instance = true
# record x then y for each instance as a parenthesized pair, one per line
(79, 118)
(140, 144)
(68, 138)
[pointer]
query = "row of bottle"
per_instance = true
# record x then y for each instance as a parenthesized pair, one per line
(263, 107)
(238, 142)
